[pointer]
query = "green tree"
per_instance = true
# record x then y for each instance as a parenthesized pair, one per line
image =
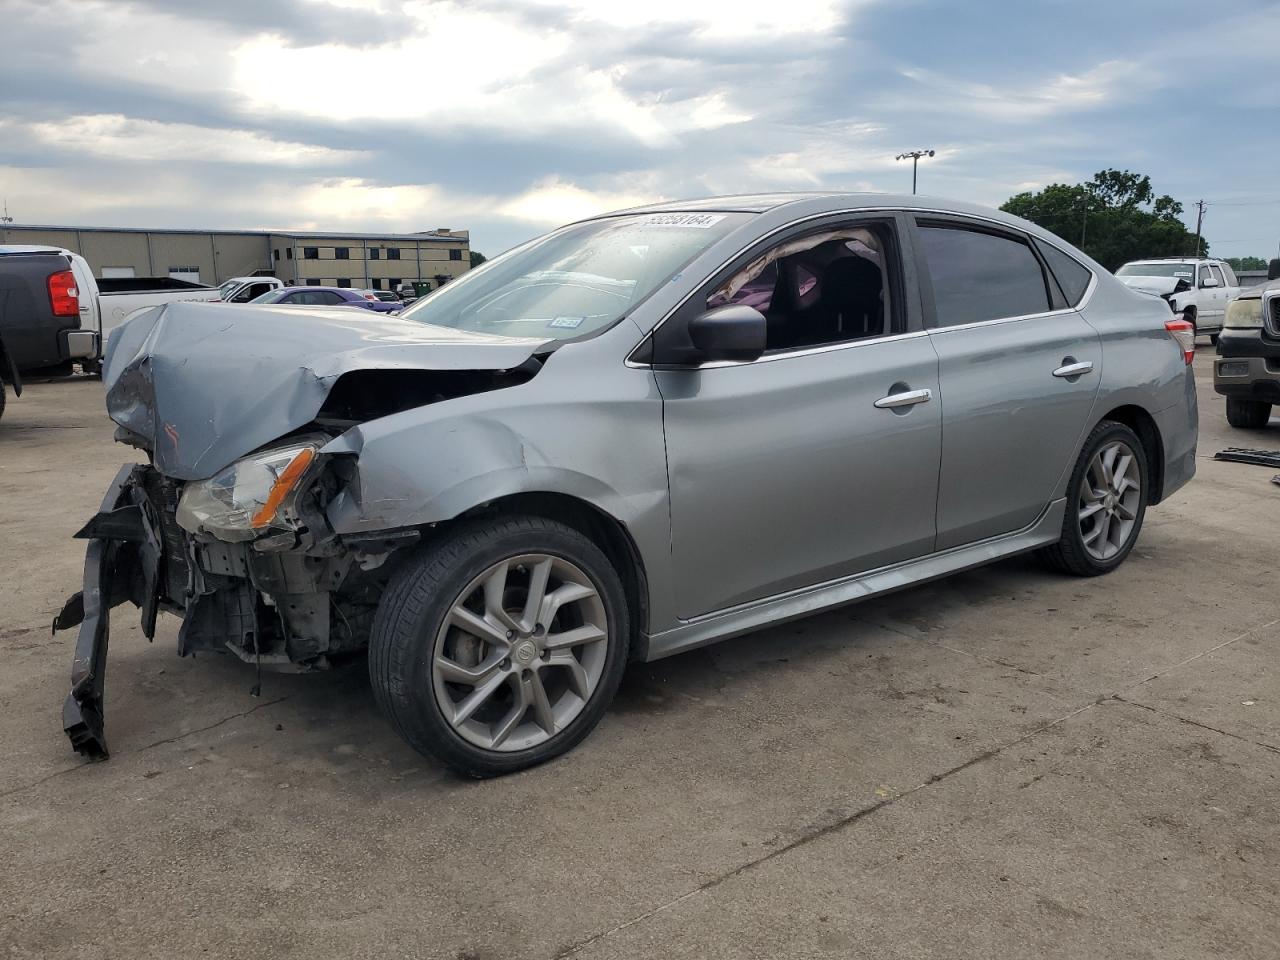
(477, 258)
(1247, 263)
(1114, 218)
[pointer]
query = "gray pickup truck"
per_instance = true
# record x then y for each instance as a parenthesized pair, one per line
(1247, 368)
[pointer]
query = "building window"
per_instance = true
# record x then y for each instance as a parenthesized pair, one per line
(344, 282)
(276, 254)
(393, 253)
(311, 253)
(455, 254)
(374, 253)
(376, 283)
(288, 253)
(394, 283)
(342, 253)
(315, 283)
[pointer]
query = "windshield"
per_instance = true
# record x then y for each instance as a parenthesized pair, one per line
(576, 281)
(1164, 269)
(226, 288)
(272, 296)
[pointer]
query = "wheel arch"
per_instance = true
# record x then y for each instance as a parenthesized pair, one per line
(606, 531)
(1141, 422)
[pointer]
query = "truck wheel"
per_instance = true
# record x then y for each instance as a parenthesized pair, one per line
(501, 645)
(1189, 315)
(1106, 501)
(1247, 414)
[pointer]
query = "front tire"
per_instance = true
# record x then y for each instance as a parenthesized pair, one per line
(1106, 503)
(1248, 414)
(500, 646)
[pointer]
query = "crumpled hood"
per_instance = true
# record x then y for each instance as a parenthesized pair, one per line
(205, 384)
(1156, 285)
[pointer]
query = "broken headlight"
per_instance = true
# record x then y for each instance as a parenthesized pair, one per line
(250, 497)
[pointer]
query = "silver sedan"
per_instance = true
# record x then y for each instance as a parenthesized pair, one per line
(636, 435)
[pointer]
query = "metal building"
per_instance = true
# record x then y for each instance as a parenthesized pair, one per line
(380, 261)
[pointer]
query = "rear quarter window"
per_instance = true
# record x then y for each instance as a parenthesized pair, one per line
(1072, 276)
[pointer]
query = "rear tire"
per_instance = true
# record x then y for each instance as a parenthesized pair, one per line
(1247, 414)
(475, 672)
(1106, 503)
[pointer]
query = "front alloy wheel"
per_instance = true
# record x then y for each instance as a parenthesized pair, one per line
(521, 653)
(500, 645)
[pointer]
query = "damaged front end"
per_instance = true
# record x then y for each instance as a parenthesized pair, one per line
(226, 526)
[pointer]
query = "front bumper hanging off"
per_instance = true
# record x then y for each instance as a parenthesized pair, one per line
(122, 562)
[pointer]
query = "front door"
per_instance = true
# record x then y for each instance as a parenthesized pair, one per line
(1018, 369)
(820, 459)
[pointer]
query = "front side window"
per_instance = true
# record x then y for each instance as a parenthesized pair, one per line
(1217, 275)
(576, 281)
(980, 276)
(1204, 274)
(826, 287)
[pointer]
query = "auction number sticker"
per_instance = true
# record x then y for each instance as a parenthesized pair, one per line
(700, 220)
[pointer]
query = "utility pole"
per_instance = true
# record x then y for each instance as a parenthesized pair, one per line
(6, 218)
(1199, 221)
(915, 156)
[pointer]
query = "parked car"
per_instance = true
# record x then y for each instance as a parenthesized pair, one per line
(386, 296)
(591, 450)
(324, 297)
(246, 289)
(1247, 368)
(1197, 289)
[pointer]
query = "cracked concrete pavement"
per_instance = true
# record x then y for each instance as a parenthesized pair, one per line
(1006, 763)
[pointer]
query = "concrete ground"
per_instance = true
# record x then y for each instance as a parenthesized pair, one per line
(1007, 763)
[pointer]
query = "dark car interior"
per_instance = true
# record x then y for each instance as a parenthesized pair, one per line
(828, 288)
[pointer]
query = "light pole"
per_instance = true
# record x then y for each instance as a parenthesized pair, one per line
(915, 156)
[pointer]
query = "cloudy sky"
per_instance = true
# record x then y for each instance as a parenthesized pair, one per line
(510, 116)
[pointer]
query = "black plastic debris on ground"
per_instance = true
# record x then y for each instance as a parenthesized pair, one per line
(1265, 458)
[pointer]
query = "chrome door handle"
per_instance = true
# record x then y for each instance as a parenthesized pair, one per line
(905, 399)
(1074, 370)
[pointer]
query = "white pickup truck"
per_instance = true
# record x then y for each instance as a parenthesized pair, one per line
(105, 304)
(1196, 288)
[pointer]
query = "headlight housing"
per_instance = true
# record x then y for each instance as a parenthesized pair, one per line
(1244, 313)
(250, 497)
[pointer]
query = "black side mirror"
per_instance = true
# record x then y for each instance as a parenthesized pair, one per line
(732, 332)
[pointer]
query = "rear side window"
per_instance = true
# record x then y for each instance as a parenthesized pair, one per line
(979, 276)
(1072, 276)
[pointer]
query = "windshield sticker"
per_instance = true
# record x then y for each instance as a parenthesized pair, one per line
(700, 220)
(569, 322)
(1180, 273)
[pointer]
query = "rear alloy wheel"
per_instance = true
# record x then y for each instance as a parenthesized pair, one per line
(501, 646)
(1106, 502)
(1248, 414)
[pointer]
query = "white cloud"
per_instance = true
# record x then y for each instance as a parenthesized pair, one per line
(722, 19)
(553, 201)
(142, 141)
(1103, 84)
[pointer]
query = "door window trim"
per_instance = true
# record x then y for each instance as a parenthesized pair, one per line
(996, 228)
(635, 357)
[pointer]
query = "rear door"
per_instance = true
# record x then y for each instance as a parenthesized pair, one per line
(1018, 373)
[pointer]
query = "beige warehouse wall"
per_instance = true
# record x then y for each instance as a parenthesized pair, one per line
(108, 249)
(54, 238)
(240, 254)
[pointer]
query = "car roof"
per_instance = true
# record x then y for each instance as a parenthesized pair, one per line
(310, 286)
(818, 203)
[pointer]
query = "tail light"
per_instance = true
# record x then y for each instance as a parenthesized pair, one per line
(64, 298)
(1184, 335)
